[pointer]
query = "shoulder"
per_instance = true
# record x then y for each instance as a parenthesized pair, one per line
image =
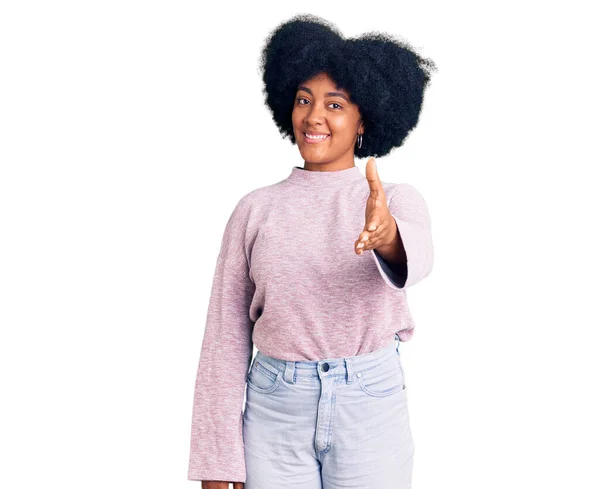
(402, 192)
(254, 204)
(406, 200)
(258, 198)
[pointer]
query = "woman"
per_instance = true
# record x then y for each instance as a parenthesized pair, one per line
(326, 397)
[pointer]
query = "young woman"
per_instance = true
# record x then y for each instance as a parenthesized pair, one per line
(326, 397)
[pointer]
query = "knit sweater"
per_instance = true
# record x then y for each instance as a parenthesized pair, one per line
(288, 281)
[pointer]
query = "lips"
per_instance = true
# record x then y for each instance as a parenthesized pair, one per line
(317, 137)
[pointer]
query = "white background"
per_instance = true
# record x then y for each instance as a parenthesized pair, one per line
(129, 131)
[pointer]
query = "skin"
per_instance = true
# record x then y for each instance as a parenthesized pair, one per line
(314, 110)
(317, 109)
(221, 485)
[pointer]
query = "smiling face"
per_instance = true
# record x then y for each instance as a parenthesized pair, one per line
(322, 110)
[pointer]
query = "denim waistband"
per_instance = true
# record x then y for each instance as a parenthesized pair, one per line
(346, 366)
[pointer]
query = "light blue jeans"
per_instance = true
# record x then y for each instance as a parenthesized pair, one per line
(328, 424)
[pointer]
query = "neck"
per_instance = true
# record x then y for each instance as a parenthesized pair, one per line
(327, 166)
(344, 162)
(325, 179)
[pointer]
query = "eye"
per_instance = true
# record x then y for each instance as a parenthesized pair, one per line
(300, 99)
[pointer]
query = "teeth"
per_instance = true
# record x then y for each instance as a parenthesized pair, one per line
(316, 137)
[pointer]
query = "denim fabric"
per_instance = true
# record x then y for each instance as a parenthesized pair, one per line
(328, 424)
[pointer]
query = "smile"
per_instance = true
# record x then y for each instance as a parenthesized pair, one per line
(315, 139)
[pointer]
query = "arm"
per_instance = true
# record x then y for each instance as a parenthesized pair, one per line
(409, 259)
(216, 448)
(393, 261)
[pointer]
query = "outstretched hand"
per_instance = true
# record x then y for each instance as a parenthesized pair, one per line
(380, 227)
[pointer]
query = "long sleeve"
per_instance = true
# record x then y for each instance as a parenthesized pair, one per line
(410, 211)
(217, 449)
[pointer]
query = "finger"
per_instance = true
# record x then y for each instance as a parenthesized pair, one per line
(375, 239)
(238, 485)
(366, 239)
(359, 245)
(370, 244)
(365, 235)
(372, 176)
(375, 220)
(373, 243)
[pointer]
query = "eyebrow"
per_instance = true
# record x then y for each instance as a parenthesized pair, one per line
(328, 94)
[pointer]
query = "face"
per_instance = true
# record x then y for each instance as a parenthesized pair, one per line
(323, 110)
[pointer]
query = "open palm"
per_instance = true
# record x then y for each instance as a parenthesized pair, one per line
(379, 229)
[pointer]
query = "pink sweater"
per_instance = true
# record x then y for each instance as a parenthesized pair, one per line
(287, 280)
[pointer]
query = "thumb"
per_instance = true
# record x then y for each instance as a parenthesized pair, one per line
(372, 176)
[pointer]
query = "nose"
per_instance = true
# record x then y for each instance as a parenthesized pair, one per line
(315, 115)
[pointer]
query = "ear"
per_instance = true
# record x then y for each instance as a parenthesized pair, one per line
(361, 127)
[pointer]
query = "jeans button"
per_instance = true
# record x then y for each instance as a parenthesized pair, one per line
(325, 367)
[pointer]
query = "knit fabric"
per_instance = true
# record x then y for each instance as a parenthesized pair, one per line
(287, 280)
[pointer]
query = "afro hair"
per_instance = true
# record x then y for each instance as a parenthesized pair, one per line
(385, 78)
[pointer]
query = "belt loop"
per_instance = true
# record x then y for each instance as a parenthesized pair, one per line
(396, 337)
(289, 371)
(349, 372)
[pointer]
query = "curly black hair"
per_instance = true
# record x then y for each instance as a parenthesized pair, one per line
(384, 76)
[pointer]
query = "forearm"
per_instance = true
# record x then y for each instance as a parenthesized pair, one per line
(394, 253)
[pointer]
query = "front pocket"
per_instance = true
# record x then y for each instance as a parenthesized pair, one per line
(382, 380)
(261, 379)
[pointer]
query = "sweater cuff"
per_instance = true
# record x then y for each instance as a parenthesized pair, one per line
(395, 276)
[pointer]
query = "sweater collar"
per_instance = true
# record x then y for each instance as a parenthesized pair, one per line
(312, 178)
